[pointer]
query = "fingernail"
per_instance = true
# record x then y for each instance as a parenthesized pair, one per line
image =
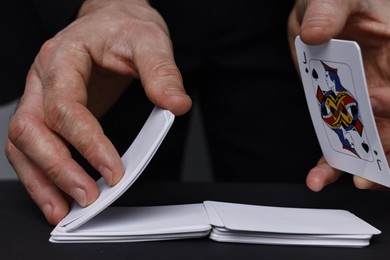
(374, 104)
(80, 196)
(107, 174)
(47, 210)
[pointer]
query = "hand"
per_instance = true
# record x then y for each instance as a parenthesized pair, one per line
(74, 79)
(366, 22)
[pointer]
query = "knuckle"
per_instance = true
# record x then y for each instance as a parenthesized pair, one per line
(47, 49)
(61, 114)
(92, 145)
(53, 171)
(9, 151)
(31, 190)
(166, 69)
(56, 114)
(21, 130)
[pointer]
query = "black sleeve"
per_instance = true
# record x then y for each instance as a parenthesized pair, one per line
(55, 15)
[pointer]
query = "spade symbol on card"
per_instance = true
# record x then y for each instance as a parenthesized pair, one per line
(378, 161)
(314, 74)
(365, 147)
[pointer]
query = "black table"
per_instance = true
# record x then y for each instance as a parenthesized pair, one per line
(24, 233)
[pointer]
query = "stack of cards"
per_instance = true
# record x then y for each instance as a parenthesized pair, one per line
(221, 221)
(336, 92)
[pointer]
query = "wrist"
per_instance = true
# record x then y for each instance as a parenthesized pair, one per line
(93, 5)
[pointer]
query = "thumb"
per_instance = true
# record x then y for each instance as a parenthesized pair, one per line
(323, 20)
(161, 78)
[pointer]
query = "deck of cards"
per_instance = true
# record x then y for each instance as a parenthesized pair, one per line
(337, 96)
(220, 221)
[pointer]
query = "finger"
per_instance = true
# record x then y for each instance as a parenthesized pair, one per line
(28, 132)
(65, 76)
(323, 20)
(321, 175)
(159, 74)
(43, 192)
(138, 46)
(293, 31)
(365, 184)
(380, 101)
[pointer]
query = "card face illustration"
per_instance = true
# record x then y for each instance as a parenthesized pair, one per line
(337, 96)
(339, 108)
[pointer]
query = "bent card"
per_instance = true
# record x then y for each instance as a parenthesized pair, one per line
(337, 96)
(135, 159)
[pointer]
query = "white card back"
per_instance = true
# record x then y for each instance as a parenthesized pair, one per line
(135, 160)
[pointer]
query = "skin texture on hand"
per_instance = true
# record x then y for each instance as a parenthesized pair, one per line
(75, 78)
(366, 22)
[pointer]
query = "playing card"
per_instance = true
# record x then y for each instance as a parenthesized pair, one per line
(242, 223)
(130, 224)
(227, 222)
(286, 220)
(135, 159)
(336, 92)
